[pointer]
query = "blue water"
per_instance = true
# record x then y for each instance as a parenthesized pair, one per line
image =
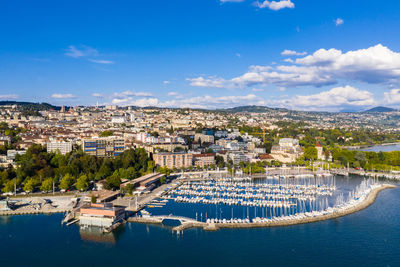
(370, 237)
(380, 148)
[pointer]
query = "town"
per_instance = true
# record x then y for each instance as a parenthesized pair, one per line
(128, 156)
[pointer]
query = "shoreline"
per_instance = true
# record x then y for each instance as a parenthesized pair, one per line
(367, 146)
(370, 199)
(29, 212)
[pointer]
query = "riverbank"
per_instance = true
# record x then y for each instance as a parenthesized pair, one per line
(336, 213)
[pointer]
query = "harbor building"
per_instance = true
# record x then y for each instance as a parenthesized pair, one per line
(104, 146)
(101, 215)
(62, 147)
(146, 182)
(173, 159)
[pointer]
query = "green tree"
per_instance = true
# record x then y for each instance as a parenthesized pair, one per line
(163, 180)
(29, 185)
(67, 181)
(310, 153)
(9, 186)
(113, 182)
(82, 183)
(361, 158)
(106, 133)
(150, 166)
(47, 185)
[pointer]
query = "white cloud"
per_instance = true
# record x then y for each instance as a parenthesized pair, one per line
(63, 96)
(376, 64)
(339, 21)
(205, 101)
(82, 51)
(211, 81)
(172, 93)
(238, 55)
(392, 97)
(275, 5)
(257, 90)
(208, 101)
(334, 99)
(288, 52)
(101, 61)
(166, 82)
(10, 96)
(131, 98)
(141, 102)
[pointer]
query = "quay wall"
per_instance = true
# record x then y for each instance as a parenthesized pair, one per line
(25, 212)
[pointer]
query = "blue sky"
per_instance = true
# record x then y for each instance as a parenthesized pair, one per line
(208, 53)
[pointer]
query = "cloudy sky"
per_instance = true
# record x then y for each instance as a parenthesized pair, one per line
(299, 54)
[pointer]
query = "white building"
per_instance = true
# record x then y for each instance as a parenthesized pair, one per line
(118, 119)
(11, 153)
(62, 147)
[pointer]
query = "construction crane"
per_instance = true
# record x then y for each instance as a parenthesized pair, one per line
(263, 135)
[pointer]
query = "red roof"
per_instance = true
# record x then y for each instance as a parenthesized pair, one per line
(203, 155)
(265, 156)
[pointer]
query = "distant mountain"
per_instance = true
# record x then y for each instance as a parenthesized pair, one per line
(350, 110)
(379, 109)
(255, 109)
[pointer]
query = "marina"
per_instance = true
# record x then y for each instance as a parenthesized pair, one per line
(273, 201)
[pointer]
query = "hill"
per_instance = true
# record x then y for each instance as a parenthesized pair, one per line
(380, 109)
(255, 109)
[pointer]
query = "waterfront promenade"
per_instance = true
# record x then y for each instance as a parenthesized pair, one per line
(337, 212)
(39, 205)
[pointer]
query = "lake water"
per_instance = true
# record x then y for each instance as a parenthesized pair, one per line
(379, 148)
(370, 237)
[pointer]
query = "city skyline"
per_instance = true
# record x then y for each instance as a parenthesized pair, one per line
(303, 55)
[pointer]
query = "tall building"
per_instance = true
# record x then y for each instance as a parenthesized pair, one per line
(104, 146)
(173, 160)
(62, 147)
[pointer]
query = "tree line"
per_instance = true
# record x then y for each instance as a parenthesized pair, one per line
(38, 169)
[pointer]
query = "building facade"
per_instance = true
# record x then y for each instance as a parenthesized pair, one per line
(173, 160)
(62, 147)
(203, 160)
(104, 147)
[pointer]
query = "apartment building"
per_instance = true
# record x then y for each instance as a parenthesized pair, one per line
(203, 160)
(204, 138)
(62, 147)
(104, 146)
(173, 160)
